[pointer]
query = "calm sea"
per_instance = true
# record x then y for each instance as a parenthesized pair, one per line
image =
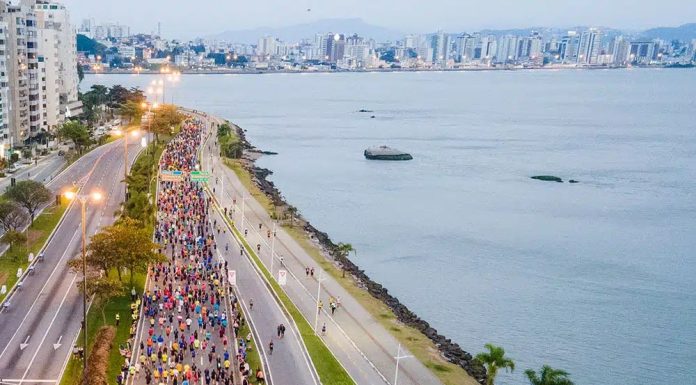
(598, 278)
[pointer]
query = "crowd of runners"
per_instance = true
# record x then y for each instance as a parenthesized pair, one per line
(189, 315)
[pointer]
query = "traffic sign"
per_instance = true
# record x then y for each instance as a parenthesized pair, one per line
(232, 277)
(172, 176)
(282, 277)
(200, 176)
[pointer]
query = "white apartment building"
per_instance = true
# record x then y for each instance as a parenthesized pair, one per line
(4, 102)
(590, 47)
(38, 62)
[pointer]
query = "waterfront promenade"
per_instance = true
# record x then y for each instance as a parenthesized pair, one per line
(362, 345)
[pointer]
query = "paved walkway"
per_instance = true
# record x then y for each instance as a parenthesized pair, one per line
(357, 339)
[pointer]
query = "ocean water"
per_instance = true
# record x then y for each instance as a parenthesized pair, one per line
(597, 278)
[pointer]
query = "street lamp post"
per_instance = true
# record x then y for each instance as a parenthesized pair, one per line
(82, 199)
(316, 316)
(125, 158)
(273, 246)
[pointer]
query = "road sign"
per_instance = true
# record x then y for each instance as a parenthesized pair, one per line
(3, 289)
(200, 176)
(282, 277)
(172, 176)
(232, 277)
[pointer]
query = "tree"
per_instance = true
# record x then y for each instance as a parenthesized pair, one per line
(12, 217)
(130, 110)
(125, 244)
(80, 73)
(29, 194)
(164, 119)
(548, 376)
(103, 289)
(76, 132)
(13, 238)
(343, 250)
(494, 359)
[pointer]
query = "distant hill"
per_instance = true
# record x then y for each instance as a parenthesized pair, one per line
(298, 32)
(686, 32)
(91, 47)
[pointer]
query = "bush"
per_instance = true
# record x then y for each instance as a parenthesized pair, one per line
(98, 360)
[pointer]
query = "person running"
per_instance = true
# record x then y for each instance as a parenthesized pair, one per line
(251, 304)
(323, 329)
(270, 347)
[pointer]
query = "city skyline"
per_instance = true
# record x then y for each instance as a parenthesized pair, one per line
(442, 15)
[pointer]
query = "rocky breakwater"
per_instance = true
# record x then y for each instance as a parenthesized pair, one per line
(450, 350)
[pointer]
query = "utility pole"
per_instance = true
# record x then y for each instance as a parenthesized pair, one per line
(319, 281)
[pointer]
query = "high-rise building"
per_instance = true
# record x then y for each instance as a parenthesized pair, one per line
(507, 49)
(58, 52)
(440, 43)
(569, 47)
(38, 69)
(4, 101)
(266, 46)
(590, 46)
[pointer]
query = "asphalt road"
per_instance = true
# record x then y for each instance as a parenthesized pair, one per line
(362, 345)
(290, 363)
(44, 316)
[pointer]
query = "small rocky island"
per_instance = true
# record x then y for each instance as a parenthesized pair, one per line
(551, 178)
(386, 153)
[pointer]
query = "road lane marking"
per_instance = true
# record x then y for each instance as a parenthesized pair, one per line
(57, 344)
(39, 295)
(24, 344)
(48, 329)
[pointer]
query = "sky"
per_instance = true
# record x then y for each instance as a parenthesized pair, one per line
(188, 19)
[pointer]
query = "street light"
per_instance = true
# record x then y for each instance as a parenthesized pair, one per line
(135, 134)
(95, 197)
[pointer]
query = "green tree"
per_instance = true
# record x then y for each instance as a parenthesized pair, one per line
(548, 376)
(76, 132)
(130, 110)
(12, 216)
(494, 359)
(344, 250)
(164, 119)
(125, 244)
(13, 238)
(103, 289)
(29, 194)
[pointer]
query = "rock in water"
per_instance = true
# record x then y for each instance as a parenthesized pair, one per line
(548, 178)
(386, 153)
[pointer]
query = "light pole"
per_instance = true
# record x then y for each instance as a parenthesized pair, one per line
(273, 246)
(96, 197)
(135, 134)
(316, 316)
(398, 358)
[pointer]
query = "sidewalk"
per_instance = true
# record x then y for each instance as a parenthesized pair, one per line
(364, 347)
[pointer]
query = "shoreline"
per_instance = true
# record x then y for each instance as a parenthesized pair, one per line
(387, 70)
(449, 350)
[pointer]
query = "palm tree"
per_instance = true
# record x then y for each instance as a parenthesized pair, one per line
(494, 359)
(343, 250)
(548, 376)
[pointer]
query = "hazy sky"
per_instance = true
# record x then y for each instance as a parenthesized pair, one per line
(190, 18)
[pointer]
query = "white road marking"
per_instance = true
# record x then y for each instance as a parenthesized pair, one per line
(41, 291)
(57, 344)
(23, 345)
(48, 329)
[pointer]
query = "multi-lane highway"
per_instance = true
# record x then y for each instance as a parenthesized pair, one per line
(43, 319)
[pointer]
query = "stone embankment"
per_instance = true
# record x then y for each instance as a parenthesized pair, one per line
(451, 351)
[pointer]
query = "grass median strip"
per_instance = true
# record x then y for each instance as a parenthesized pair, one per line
(329, 369)
(17, 256)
